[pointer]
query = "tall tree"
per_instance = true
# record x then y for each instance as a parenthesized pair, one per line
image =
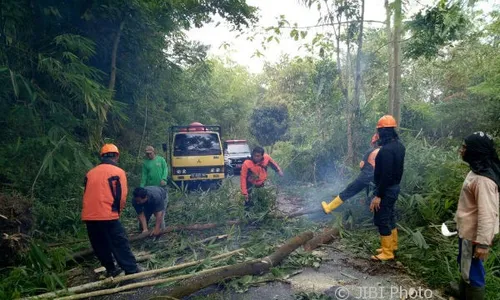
(396, 74)
(390, 47)
(346, 19)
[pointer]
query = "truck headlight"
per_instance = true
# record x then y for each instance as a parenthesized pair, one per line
(178, 171)
(217, 170)
(184, 171)
(212, 170)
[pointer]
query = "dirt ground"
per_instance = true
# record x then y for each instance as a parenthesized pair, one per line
(340, 276)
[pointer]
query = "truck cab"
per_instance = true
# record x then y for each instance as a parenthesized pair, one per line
(235, 153)
(196, 154)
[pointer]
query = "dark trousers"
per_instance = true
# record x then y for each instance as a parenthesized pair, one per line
(471, 268)
(108, 239)
(353, 188)
(385, 218)
(250, 188)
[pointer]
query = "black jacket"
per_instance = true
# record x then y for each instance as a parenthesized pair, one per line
(389, 166)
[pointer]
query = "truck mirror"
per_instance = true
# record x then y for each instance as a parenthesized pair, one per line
(164, 146)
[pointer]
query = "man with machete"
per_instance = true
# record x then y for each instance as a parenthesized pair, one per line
(477, 212)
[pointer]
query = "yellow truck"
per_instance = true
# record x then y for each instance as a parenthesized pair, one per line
(195, 154)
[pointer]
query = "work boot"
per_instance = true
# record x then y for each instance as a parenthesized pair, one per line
(387, 253)
(113, 272)
(329, 207)
(453, 289)
(394, 235)
(471, 292)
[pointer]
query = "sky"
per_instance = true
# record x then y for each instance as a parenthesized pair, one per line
(242, 50)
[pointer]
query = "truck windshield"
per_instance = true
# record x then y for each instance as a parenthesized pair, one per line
(237, 148)
(192, 144)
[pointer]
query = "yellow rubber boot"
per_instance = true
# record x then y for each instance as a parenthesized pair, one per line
(387, 253)
(329, 207)
(394, 234)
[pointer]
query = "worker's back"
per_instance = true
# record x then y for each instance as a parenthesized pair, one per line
(390, 163)
(105, 193)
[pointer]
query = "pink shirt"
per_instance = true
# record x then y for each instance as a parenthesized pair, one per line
(477, 212)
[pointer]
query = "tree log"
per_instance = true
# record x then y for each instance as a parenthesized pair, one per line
(135, 286)
(323, 238)
(304, 212)
(52, 245)
(114, 280)
(81, 254)
(253, 267)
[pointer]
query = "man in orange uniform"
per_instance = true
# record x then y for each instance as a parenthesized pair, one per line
(254, 172)
(103, 199)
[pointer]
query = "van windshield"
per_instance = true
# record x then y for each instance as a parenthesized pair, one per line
(238, 148)
(192, 144)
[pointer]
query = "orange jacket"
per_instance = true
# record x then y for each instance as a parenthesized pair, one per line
(105, 193)
(256, 174)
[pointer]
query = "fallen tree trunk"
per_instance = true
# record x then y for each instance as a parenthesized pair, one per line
(253, 267)
(135, 286)
(213, 239)
(322, 238)
(142, 236)
(52, 245)
(304, 212)
(114, 280)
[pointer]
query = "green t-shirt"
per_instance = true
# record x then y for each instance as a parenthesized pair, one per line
(154, 171)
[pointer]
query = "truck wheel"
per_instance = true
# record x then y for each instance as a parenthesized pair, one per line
(181, 185)
(215, 185)
(229, 171)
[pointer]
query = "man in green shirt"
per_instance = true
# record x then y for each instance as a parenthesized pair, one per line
(154, 169)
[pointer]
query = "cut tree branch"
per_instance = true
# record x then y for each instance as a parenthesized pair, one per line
(321, 239)
(114, 280)
(254, 267)
(136, 286)
(304, 212)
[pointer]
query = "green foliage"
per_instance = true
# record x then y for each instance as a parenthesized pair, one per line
(431, 183)
(436, 27)
(42, 272)
(269, 124)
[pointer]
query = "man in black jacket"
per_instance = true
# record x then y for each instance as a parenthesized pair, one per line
(389, 167)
